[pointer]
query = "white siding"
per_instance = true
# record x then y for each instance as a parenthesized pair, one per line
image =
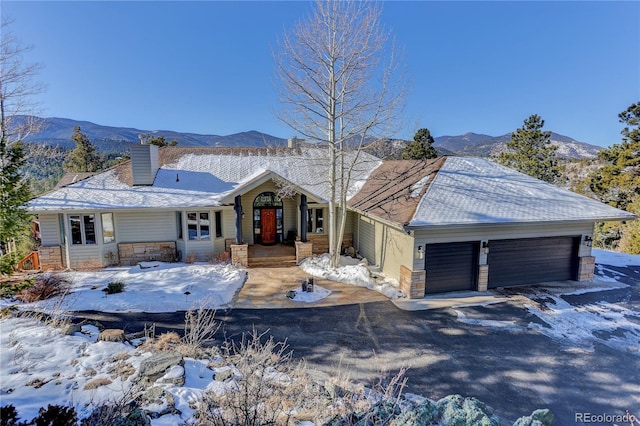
(133, 227)
(49, 229)
(144, 164)
(500, 232)
(367, 239)
(203, 250)
(85, 256)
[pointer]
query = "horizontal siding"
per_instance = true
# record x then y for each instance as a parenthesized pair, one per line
(500, 232)
(85, 256)
(367, 239)
(134, 227)
(203, 250)
(49, 229)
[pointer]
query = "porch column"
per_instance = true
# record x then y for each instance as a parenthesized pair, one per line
(237, 206)
(303, 218)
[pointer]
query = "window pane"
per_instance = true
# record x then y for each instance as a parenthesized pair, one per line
(108, 232)
(319, 221)
(76, 230)
(218, 224)
(204, 226)
(192, 225)
(179, 225)
(89, 229)
(310, 220)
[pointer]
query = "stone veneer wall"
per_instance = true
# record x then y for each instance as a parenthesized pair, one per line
(134, 253)
(412, 283)
(240, 255)
(585, 268)
(303, 250)
(483, 277)
(50, 258)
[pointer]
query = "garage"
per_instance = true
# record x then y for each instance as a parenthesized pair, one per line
(451, 266)
(532, 260)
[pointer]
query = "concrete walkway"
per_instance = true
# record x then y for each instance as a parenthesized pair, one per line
(265, 288)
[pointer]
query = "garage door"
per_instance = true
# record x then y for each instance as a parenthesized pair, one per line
(451, 266)
(530, 261)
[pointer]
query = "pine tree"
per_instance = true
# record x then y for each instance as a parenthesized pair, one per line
(84, 157)
(14, 190)
(530, 151)
(421, 148)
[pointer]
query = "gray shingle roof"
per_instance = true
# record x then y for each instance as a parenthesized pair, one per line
(472, 191)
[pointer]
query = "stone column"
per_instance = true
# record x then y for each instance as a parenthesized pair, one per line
(586, 267)
(303, 250)
(412, 283)
(483, 277)
(240, 255)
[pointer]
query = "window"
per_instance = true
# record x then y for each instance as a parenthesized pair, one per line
(316, 225)
(83, 229)
(108, 230)
(179, 225)
(218, 224)
(198, 225)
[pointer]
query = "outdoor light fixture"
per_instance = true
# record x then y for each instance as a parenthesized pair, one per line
(420, 253)
(485, 247)
(588, 241)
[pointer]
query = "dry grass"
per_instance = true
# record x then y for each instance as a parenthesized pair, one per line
(96, 383)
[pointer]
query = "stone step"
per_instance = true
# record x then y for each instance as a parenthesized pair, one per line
(277, 261)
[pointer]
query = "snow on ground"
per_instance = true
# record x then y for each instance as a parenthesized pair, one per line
(150, 287)
(40, 365)
(581, 326)
(318, 293)
(351, 271)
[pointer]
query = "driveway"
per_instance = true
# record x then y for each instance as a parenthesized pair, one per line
(508, 355)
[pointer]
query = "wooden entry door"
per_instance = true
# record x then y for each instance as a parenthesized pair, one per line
(268, 226)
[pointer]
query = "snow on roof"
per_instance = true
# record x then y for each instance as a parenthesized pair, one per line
(199, 178)
(468, 191)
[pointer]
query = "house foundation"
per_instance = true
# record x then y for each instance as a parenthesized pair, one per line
(134, 253)
(50, 258)
(303, 251)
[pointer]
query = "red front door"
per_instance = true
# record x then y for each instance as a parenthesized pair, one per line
(268, 226)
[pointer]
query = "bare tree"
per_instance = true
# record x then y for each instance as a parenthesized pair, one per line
(340, 85)
(17, 89)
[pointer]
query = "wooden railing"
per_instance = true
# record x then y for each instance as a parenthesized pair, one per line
(30, 262)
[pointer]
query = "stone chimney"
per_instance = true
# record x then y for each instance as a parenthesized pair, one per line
(144, 164)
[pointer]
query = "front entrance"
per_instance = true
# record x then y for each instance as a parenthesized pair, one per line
(267, 219)
(268, 226)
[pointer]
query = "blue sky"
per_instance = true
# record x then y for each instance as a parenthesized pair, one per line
(206, 67)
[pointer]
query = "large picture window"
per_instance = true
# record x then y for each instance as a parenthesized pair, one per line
(83, 229)
(198, 225)
(108, 230)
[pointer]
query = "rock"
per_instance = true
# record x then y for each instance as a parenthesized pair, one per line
(175, 376)
(73, 329)
(456, 410)
(157, 364)
(223, 374)
(351, 252)
(423, 413)
(542, 417)
(112, 335)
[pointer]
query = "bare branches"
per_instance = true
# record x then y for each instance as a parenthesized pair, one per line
(17, 89)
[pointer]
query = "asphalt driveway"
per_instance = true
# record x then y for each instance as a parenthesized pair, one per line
(495, 353)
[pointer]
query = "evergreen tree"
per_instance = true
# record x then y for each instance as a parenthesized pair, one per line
(421, 148)
(530, 151)
(160, 141)
(14, 190)
(84, 157)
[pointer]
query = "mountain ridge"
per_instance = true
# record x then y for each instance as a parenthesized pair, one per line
(57, 132)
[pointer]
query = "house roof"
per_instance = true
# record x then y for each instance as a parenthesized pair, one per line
(200, 177)
(394, 190)
(72, 177)
(473, 191)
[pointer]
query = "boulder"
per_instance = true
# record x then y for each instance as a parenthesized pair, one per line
(542, 417)
(112, 335)
(157, 364)
(455, 410)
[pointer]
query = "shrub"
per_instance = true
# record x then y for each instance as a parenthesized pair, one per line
(116, 286)
(45, 287)
(199, 328)
(8, 289)
(7, 262)
(56, 415)
(9, 416)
